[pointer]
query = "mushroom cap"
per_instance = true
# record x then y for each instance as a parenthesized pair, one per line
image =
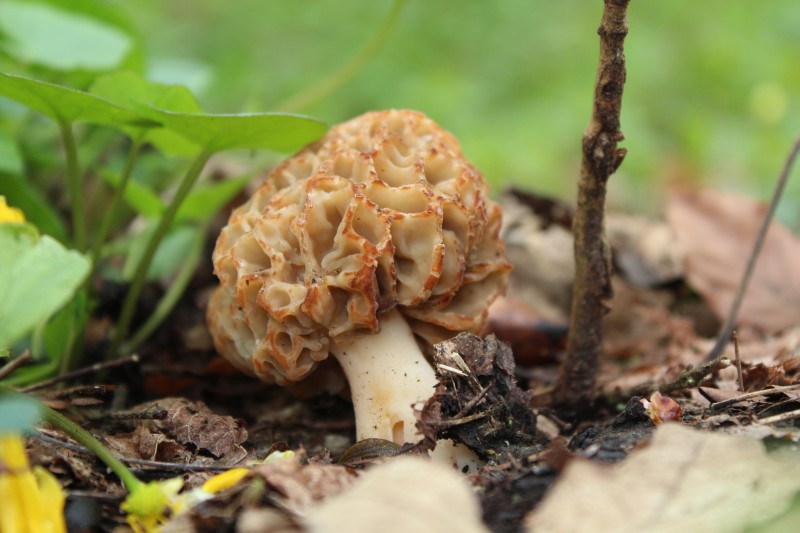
(383, 212)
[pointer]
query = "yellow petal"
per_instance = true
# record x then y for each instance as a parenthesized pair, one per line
(51, 500)
(225, 480)
(12, 451)
(32, 500)
(10, 214)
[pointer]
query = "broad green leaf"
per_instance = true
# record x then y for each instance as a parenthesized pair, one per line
(18, 414)
(37, 276)
(140, 198)
(67, 105)
(205, 200)
(128, 89)
(10, 158)
(27, 197)
(45, 35)
(282, 132)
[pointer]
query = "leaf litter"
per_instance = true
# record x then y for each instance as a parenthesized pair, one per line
(496, 402)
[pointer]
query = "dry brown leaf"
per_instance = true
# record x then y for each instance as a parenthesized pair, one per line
(543, 260)
(407, 494)
(685, 480)
(644, 249)
(194, 423)
(715, 233)
(299, 486)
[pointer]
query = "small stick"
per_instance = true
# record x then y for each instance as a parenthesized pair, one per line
(739, 376)
(688, 379)
(730, 321)
(694, 376)
(130, 460)
(154, 412)
(452, 422)
(78, 390)
(783, 417)
(83, 371)
(9, 368)
(575, 389)
(474, 401)
(746, 396)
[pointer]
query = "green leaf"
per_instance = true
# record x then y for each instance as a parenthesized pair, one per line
(128, 89)
(282, 132)
(24, 195)
(46, 35)
(18, 414)
(10, 157)
(67, 105)
(140, 198)
(37, 276)
(205, 200)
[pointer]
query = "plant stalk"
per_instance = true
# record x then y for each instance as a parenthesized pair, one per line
(84, 438)
(113, 208)
(173, 294)
(74, 185)
(140, 276)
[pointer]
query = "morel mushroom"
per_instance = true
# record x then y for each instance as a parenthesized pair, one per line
(378, 232)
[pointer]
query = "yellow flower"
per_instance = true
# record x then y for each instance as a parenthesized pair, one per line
(10, 214)
(32, 499)
(152, 505)
(149, 506)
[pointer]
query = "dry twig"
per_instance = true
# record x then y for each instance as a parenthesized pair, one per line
(82, 372)
(730, 320)
(765, 392)
(739, 375)
(10, 367)
(575, 389)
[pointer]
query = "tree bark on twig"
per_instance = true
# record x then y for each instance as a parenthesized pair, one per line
(575, 389)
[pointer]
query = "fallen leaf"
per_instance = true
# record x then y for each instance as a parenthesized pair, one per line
(543, 259)
(298, 486)
(685, 480)
(407, 494)
(644, 249)
(715, 233)
(194, 423)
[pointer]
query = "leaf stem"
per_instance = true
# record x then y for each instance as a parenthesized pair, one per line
(140, 276)
(74, 183)
(173, 294)
(84, 438)
(113, 208)
(339, 77)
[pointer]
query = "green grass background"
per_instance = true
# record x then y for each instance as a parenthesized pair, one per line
(712, 94)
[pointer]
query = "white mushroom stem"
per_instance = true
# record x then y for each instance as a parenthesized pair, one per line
(388, 376)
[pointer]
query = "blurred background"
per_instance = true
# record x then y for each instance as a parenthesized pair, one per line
(712, 93)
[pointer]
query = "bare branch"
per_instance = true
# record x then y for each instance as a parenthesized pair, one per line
(575, 389)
